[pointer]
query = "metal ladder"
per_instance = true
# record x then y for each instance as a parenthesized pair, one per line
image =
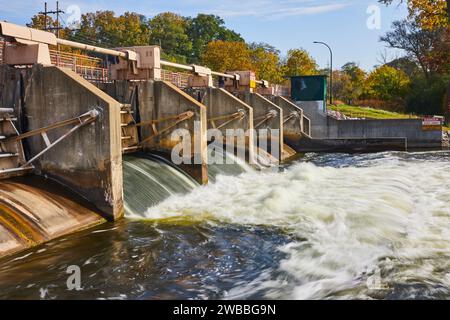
(12, 156)
(130, 139)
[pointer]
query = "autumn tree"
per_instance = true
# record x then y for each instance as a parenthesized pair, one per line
(430, 14)
(38, 22)
(299, 62)
(420, 45)
(227, 56)
(104, 29)
(267, 63)
(206, 28)
(387, 83)
(348, 83)
(431, 18)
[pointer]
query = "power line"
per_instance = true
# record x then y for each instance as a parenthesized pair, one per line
(56, 12)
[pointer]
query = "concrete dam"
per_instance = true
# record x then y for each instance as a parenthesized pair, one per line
(81, 146)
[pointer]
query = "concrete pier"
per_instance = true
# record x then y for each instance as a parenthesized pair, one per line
(266, 115)
(225, 111)
(90, 160)
(77, 182)
(296, 125)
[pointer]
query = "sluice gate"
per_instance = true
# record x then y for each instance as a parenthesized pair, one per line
(58, 128)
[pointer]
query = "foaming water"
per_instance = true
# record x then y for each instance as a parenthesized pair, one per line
(149, 179)
(370, 225)
(225, 164)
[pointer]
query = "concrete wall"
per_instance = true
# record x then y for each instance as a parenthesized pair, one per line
(261, 107)
(411, 129)
(318, 118)
(324, 127)
(90, 160)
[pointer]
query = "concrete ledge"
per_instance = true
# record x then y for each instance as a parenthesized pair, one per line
(350, 145)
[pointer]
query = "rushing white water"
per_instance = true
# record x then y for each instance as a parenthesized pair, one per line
(379, 224)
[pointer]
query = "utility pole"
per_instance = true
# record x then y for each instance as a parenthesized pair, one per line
(58, 25)
(45, 16)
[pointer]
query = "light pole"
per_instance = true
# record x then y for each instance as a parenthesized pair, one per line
(331, 69)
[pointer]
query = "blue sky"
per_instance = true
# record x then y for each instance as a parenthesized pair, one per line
(284, 24)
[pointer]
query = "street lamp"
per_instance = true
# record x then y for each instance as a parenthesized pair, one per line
(331, 69)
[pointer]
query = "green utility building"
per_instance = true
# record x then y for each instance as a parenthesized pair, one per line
(309, 88)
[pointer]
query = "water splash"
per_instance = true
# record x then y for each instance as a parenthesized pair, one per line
(149, 179)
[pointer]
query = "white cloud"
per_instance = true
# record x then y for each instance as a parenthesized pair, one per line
(261, 9)
(275, 10)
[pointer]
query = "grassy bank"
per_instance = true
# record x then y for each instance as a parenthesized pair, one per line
(362, 112)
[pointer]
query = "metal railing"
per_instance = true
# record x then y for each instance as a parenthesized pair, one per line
(2, 49)
(90, 68)
(276, 89)
(179, 79)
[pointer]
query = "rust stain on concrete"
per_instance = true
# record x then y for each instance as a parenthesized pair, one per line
(34, 210)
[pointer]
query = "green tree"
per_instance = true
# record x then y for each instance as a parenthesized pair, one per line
(427, 96)
(168, 30)
(299, 62)
(206, 28)
(387, 83)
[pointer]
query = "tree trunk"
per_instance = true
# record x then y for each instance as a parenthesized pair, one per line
(447, 105)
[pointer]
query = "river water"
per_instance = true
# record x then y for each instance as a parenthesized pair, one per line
(373, 226)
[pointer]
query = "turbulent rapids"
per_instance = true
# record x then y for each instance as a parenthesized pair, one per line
(150, 179)
(331, 226)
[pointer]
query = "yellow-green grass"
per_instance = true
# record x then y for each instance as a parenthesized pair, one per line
(363, 112)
